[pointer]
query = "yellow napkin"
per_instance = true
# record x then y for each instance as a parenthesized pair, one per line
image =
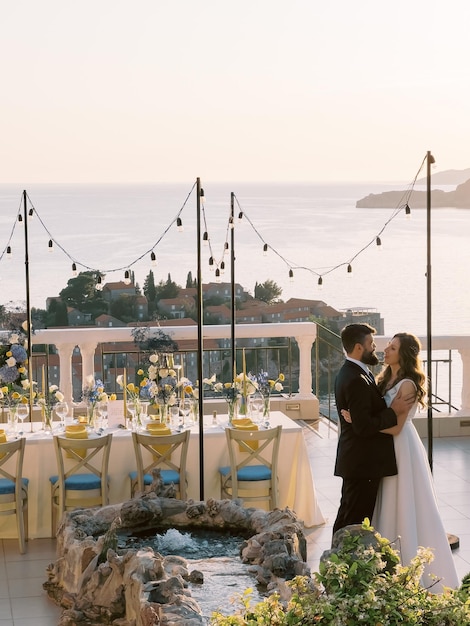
(159, 429)
(241, 421)
(246, 425)
(76, 431)
(3, 439)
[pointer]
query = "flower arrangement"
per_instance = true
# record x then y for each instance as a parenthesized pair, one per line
(266, 386)
(14, 381)
(47, 401)
(92, 393)
(159, 384)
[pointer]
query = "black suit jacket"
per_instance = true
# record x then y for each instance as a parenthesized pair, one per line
(363, 451)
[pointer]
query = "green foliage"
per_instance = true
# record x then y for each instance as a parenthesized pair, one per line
(268, 292)
(81, 293)
(167, 289)
(361, 582)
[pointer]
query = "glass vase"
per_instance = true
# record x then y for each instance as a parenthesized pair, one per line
(266, 406)
(232, 409)
(47, 419)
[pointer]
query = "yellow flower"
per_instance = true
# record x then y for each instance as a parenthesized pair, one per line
(15, 395)
(9, 353)
(112, 397)
(22, 370)
(282, 378)
(188, 389)
(140, 372)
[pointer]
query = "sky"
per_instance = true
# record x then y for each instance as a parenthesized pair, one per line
(252, 90)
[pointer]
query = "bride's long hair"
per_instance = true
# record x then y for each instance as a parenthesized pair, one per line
(410, 366)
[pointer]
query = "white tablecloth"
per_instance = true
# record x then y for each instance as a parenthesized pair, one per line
(296, 485)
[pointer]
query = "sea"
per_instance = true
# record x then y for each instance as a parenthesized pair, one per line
(311, 230)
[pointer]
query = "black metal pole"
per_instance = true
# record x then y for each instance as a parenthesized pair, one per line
(200, 342)
(232, 284)
(429, 161)
(28, 306)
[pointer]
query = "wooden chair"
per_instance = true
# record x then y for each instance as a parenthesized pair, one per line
(83, 479)
(159, 451)
(252, 474)
(14, 488)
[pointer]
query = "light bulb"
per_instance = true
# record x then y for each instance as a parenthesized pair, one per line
(9, 252)
(265, 249)
(51, 245)
(291, 275)
(349, 268)
(127, 277)
(407, 211)
(205, 238)
(153, 258)
(179, 224)
(217, 275)
(99, 284)
(320, 282)
(378, 241)
(74, 269)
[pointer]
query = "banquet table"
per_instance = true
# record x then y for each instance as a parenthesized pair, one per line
(296, 486)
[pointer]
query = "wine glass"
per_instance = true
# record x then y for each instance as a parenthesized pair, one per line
(61, 409)
(102, 413)
(22, 412)
(132, 410)
(256, 405)
(185, 408)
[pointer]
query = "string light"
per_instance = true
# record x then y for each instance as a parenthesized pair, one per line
(9, 252)
(51, 245)
(320, 282)
(222, 267)
(217, 275)
(201, 195)
(349, 268)
(291, 275)
(265, 249)
(211, 263)
(179, 224)
(230, 222)
(407, 211)
(20, 217)
(205, 238)
(31, 213)
(153, 258)
(226, 246)
(74, 269)
(127, 277)
(99, 285)
(240, 216)
(378, 241)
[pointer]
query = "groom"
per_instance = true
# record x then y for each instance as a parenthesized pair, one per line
(364, 454)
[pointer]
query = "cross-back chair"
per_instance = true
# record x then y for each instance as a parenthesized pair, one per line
(165, 452)
(83, 479)
(14, 487)
(252, 473)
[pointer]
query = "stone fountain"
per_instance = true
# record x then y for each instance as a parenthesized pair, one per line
(97, 583)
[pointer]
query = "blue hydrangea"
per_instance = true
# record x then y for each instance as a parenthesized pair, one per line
(8, 374)
(19, 353)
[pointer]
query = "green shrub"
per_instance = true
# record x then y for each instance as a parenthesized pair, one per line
(360, 582)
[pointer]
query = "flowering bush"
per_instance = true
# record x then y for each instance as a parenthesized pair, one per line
(360, 582)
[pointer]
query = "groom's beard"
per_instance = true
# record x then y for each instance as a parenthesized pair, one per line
(369, 358)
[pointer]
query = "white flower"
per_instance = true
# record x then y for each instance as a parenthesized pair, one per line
(24, 325)
(60, 396)
(11, 362)
(278, 387)
(90, 380)
(53, 388)
(120, 380)
(14, 338)
(153, 358)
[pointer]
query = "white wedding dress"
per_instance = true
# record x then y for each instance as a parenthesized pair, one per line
(406, 507)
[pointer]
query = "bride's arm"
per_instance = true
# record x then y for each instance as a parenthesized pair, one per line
(408, 389)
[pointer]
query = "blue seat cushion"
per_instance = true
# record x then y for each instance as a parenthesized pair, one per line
(168, 477)
(8, 486)
(249, 472)
(79, 482)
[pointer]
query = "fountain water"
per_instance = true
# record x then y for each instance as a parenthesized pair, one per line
(97, 582)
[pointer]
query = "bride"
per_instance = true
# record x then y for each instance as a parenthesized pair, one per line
(406, 510)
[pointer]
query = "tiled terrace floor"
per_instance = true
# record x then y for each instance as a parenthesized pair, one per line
(23, 602)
